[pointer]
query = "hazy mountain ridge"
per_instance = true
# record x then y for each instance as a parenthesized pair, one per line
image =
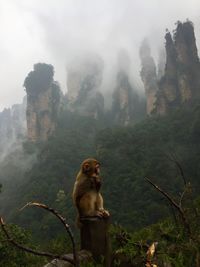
(166, 89)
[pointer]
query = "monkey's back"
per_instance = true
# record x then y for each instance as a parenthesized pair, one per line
(82, 186)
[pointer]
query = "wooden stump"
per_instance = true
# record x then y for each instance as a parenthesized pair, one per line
(95, 238)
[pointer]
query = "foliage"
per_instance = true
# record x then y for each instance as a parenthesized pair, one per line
(13, 257)
(127, 155)
(175, 246)
(39, 79)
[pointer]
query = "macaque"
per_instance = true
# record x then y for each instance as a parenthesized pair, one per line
(86, 192)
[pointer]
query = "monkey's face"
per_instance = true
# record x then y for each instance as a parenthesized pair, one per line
(91, 167)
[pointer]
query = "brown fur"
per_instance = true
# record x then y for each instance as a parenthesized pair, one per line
(86, 193)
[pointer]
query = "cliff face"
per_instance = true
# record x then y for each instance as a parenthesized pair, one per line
(125, 99)
(12, 126)
(43, 99)
(161, 63)
(84, 77)
(167, 95)
(181, 81)
(149, 76)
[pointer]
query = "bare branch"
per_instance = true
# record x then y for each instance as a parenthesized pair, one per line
(62, 220)
(173, 158)
(35, 252)
(175, 204)
(170, 199)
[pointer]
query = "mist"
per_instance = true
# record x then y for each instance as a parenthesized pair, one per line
(56, 32)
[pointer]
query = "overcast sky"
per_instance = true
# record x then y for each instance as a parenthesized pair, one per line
(55, 31)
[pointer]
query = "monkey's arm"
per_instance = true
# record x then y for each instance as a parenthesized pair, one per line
(99, 206)
(87, 206)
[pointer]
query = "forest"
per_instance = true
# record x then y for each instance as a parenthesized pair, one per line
(154, 148)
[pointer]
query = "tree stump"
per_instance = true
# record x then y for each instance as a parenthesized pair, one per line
(95, 238)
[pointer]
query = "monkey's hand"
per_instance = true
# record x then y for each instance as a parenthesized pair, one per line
(99, 213)
(105, 213)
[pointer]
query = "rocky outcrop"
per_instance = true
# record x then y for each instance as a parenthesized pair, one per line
(161, 63)
(167, 96)
(84, 256)
(125, 99)
(43, 99)
(149, 76)
(181, 81)
(84, 77)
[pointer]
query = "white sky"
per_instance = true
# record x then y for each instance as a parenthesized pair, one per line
(54, 31)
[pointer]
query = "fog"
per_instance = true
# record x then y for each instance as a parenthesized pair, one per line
(55, 32)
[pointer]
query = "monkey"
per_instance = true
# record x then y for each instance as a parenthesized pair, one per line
(86, 192)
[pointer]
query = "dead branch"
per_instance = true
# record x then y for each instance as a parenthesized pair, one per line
(175, 204)
(29, 250)
(170, 199)
(150, 254)
(62, 220)
(173, 158)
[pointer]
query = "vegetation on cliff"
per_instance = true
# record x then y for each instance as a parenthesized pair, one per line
(39, 79)
(128, 155)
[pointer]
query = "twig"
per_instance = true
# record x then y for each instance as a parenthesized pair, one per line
(172, 158)
(165, 194)
(173, 202)
(173, 213)
(182, 196)
(35, 252)
(62, 220)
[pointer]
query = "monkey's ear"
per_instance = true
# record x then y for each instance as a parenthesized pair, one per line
(86, 167)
